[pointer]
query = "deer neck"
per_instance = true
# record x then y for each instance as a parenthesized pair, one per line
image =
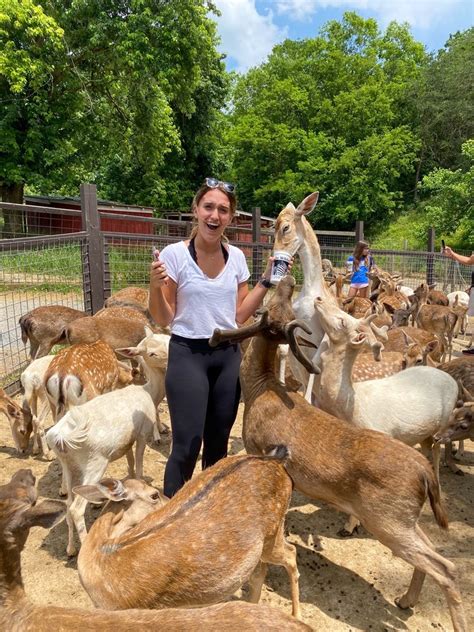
(258, 367)
(310, 256)
(11, 583)
(155, 383)
(336, 392)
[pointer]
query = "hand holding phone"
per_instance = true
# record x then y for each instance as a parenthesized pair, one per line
(155, 253)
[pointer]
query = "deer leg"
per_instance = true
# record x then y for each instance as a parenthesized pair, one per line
(67, 482)
(436, 450)
(414, 547)
(157, 428)
(256, 582)
(309, 388)
(284, 554)
(350, 526)
(130, 463)
(139, 452)
(449, 459)
(78, 505)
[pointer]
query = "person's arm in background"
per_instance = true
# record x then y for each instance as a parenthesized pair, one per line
(449, 252)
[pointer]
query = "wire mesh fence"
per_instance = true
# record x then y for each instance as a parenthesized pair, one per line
(34, 273)
(108, 251)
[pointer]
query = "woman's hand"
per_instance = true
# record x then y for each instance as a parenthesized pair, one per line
(158, 275)
(448, 252)
(268, 270)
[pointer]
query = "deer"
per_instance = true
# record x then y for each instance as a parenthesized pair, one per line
(128, 296)
(42, 326)
(107, 427)
(367, 368)
(80, 372)
(294, 234)
(18, 513)
(20, 425)
(356, 470)
(200, 546)
(35, 404)
(410, 405)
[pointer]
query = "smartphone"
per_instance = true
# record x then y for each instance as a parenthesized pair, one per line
(443, 245)
(155, 253)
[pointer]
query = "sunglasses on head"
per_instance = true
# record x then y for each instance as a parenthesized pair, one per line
(214, 183)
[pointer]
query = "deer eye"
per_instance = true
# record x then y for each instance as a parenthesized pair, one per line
(155, 496)
(286, 228)
(464, 425)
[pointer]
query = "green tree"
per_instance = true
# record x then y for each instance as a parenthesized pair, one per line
(450, 205)
(155, 84)
(443, 98)
(37, 101)
(329, 113)
(126, 93)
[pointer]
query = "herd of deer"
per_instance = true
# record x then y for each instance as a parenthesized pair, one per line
(342, 443)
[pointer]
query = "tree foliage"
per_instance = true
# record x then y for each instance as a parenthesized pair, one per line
(329, 113)
(122, 92)
(133, 95)
(443, 97)
(450, 204)
(37, 97)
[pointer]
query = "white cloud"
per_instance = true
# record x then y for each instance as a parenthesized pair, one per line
(247, 37)
(419, 13)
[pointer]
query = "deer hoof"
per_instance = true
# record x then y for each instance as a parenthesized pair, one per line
(403, 603)
(344, 533)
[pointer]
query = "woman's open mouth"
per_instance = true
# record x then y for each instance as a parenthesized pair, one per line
(212, 226)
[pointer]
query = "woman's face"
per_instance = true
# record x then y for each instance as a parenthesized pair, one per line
(213, 214)
(365, 252)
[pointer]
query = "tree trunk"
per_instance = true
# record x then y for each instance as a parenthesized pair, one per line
(13, 220)
(417, 176)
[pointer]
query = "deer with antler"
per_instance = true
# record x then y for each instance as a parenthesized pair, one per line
(353, 469)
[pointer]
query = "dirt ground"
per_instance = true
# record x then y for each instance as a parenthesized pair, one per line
(345, 584)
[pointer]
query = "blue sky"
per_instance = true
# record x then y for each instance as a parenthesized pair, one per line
(250, 28)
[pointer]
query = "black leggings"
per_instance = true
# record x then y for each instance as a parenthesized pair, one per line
(203, 392)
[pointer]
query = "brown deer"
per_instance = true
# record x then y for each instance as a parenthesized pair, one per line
(42, 326)
(18, 513)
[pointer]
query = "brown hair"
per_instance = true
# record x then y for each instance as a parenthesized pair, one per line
(358, 250)
(200, 193)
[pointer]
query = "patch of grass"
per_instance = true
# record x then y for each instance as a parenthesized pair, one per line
(64, 261)
(402, 234)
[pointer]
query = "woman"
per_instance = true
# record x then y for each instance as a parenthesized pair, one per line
(197, 285)
(359, 265)
(449, 252)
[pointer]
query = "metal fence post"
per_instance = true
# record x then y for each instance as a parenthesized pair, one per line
(430, 257)
(257, 249)
(359, 230)
(93, 269)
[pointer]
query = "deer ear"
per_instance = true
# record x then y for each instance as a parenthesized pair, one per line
(46, 514)
(307, 205)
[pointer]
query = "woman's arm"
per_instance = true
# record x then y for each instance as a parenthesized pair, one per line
(248, 301)
(162, 301)
(448, 252)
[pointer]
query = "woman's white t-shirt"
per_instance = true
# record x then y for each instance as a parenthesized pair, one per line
(202, 303)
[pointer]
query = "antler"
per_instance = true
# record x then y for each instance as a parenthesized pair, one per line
(237, 335)
(294, 346)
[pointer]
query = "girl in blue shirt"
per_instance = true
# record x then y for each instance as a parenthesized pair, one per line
(359, 264)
